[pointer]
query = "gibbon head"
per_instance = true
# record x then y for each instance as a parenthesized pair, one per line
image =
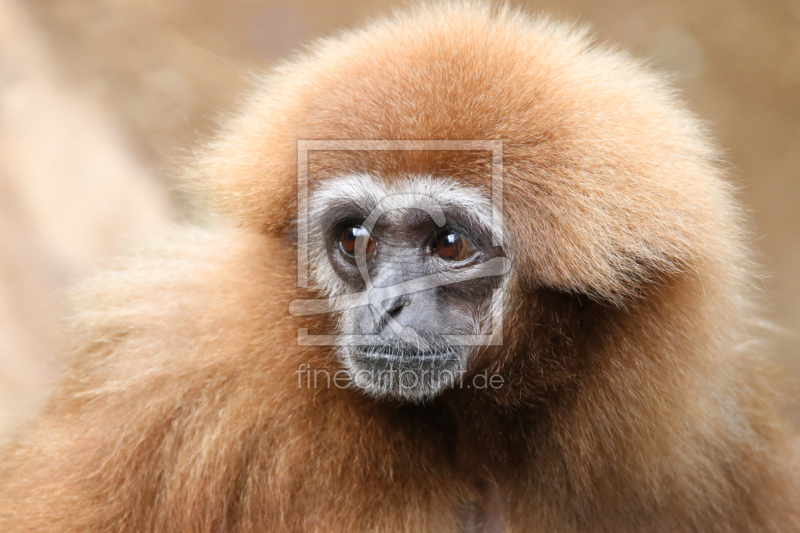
(609, 189)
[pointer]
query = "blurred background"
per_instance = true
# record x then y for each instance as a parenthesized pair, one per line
(99, 100)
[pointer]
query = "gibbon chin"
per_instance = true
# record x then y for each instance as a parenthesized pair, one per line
(481, 274)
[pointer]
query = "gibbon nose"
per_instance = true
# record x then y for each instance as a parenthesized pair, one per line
(372, 320)
(390, 280)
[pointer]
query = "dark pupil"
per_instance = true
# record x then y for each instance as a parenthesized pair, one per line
(449, 245)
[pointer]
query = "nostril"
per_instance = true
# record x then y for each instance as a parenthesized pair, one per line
(393, 305)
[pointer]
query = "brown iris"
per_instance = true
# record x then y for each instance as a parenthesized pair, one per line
(355, 239)
(453, 246)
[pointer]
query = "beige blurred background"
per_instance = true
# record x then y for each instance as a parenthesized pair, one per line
(100, 98)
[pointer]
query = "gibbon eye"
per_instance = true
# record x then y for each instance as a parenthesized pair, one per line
(453, 246)
(355, 239)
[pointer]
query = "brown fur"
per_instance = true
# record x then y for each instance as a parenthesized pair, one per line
(635, 399)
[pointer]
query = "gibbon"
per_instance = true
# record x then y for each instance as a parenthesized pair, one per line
(481, 274)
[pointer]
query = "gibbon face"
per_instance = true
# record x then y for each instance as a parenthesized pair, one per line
(417, 257)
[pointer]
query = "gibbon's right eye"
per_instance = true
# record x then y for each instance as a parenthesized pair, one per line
(452, 246)
(355, 239)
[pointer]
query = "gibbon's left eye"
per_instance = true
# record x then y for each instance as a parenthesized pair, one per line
(453, 246)
(355, 239)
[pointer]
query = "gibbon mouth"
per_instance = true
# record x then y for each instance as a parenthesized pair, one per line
(404, 372)
(403, 354)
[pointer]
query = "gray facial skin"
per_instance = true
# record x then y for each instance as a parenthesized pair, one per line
(406, 351)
